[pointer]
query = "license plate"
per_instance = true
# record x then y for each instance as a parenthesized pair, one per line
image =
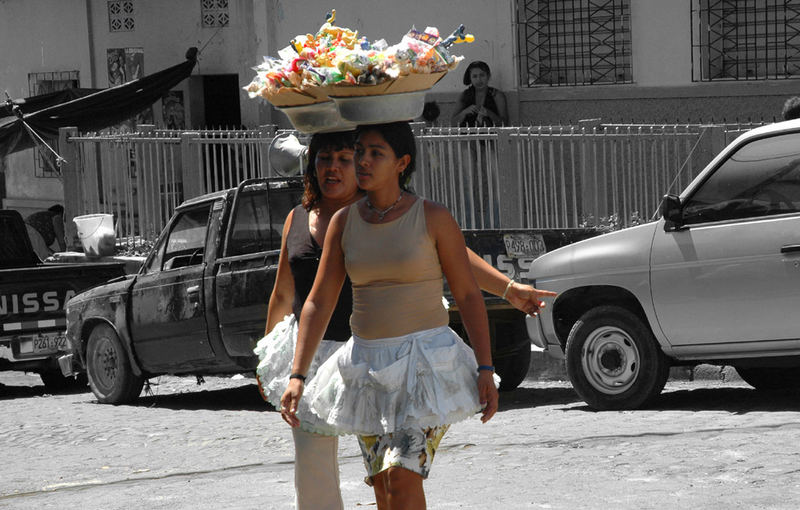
(524, 245)
(43, 343)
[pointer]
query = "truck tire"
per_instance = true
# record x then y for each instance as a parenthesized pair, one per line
(55, 382)
(513, 369)
(613, 359)
(771, 379)
(110, 375)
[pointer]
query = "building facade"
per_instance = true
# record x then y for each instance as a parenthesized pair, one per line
(558, 61)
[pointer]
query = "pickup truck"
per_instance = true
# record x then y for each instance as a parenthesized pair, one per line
(32, 299)
(199, 302)
(716, 279)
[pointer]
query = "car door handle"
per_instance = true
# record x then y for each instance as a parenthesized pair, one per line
(790, 248)
(193, 291)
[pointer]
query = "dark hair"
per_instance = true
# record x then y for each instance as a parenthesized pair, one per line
(476, 64)
(401, 139)
(56, 209)
(319, 142)
(430, 111)
(791, 108)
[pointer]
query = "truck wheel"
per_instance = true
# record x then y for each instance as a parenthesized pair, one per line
(613, 360)
(110, 375)
(55, 382)
(513, 369)
(771, 379)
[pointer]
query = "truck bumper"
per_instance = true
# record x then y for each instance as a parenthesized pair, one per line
(65, 364)
(539, 340)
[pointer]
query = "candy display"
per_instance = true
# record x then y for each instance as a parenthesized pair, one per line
(337, 62)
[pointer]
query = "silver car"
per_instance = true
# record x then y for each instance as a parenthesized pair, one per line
(715, 280)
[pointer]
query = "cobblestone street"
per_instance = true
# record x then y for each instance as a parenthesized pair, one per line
(705, 444)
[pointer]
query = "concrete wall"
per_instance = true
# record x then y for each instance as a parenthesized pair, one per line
(38, 36)
(165, 30)
(663, 90)
(50, 35)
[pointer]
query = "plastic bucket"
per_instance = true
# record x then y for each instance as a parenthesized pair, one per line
(96, 232)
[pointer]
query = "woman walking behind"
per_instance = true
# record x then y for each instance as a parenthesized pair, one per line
(404, 377)
(330, 184)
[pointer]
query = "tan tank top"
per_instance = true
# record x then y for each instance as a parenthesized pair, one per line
(396, 275)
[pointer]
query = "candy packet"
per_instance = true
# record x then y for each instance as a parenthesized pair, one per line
(337, 61)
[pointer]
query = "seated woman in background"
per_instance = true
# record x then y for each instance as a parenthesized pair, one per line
(480, 105)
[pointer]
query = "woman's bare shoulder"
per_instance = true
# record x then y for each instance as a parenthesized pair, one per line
(438, 216)
(340, 216)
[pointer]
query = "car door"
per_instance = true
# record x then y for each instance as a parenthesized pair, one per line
(729, 281)
(246, 274)
(167, 310)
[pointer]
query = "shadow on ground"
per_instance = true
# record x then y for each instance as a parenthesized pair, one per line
(527, 397)
(240, 398)
(737, 400)
(13, 391)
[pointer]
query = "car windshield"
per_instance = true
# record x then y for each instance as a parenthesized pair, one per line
(762, 178)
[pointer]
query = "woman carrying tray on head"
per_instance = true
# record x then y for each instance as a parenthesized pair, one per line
(404, 377)
(330, 183)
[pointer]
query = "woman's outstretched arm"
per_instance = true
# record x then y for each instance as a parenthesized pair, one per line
(521, 296)
(456, 267)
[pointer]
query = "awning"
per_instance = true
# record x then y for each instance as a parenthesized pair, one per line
(88, 110)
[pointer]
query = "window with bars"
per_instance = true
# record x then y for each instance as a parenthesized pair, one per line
(745, 39)
(214, 13)
(45, 83)
(574, 42)
(121, 16)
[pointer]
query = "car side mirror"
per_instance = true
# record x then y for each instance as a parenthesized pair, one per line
(671, 212)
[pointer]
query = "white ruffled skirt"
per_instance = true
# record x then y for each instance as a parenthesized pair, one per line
(276, 353)
(374, 387)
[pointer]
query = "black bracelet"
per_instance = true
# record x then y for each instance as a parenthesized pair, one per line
(489, 368)
(298, 376)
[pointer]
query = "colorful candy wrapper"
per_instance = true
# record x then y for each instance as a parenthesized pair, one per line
(336, 62)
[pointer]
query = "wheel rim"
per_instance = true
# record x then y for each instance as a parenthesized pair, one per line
(610, 360)
(105, 364)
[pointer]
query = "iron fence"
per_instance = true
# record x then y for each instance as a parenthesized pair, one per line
(503, 177)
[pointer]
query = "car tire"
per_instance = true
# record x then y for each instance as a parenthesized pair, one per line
(55, 382)
(613, 359)
(771, 379)
(513, 369)
(110, 375)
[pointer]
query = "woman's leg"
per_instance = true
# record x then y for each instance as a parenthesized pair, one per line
(398, 488)
(316, 471)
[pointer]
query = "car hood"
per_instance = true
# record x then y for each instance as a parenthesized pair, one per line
(104, 291)
(613, 252)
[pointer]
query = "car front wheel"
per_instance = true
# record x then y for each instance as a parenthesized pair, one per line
(110, 375)
(613, 360)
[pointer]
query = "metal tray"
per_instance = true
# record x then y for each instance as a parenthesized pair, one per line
(317, 118)
(379, 109)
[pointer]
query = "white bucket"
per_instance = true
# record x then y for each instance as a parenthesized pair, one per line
(96, 232)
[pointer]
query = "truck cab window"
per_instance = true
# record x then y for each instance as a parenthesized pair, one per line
(186, 242)
(251, 230)
(762, 178)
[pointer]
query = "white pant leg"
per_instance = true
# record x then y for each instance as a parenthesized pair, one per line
(316, 471)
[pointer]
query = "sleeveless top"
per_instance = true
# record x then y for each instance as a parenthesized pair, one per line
(396, 275)
(304, 256)
(468, 98)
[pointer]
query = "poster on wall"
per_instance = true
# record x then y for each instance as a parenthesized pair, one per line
(124, 65)
(172, 110)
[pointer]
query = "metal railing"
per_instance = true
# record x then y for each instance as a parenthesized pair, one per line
(507, 177)
(558, 176)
